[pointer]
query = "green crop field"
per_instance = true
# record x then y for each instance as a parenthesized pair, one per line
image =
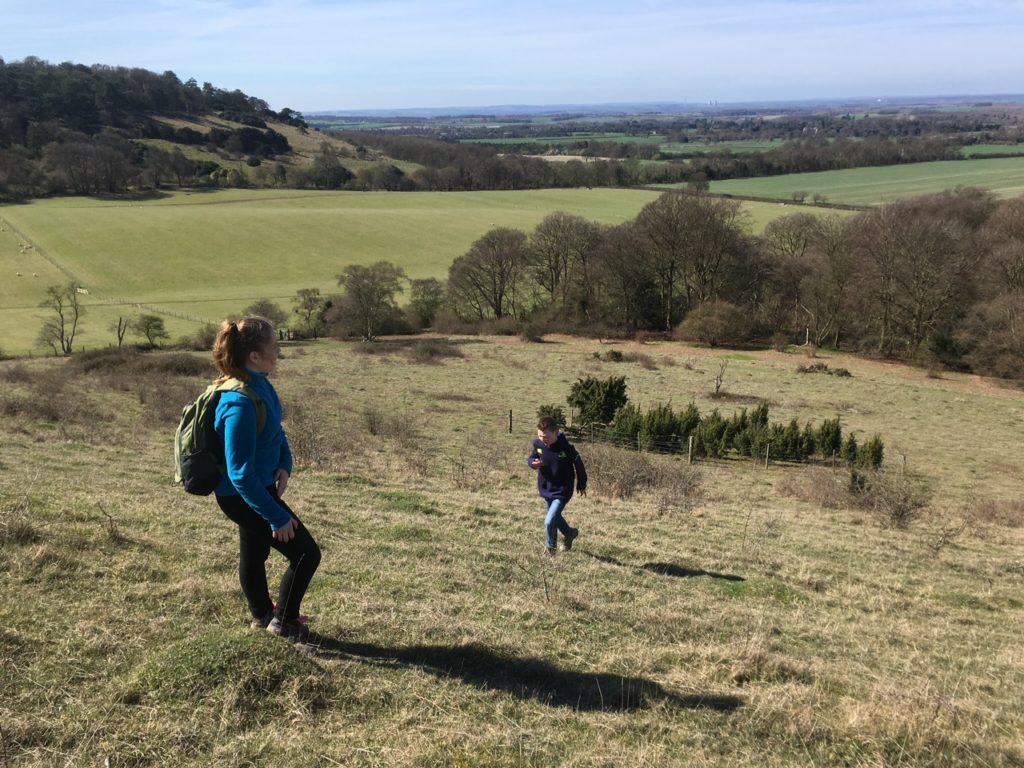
(694, 147)
(873, 186)
(992, 149)
(736, 147)
(204, 255)
(573, 138)
(720, 615)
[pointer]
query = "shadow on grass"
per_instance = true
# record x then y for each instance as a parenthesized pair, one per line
(533, 678)
(135, 196)
(682, 572)
(665, 569)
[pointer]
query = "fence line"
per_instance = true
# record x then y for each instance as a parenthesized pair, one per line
(41, 251)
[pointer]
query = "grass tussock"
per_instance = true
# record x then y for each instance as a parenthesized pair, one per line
(433, 352)
(131, 362)
(893, 498)
(622, 474)
(1008, 513)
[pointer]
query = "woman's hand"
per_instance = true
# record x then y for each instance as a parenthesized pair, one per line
(536, 463)
(281, 481)
(286, 532)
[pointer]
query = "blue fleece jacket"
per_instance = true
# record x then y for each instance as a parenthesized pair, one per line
(563, 468)
(253, 458)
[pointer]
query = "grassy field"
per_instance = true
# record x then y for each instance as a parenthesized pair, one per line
(726, 615)
(993, 149)
(872, 186)
(207, 254)
(204, 255)
(694, 147)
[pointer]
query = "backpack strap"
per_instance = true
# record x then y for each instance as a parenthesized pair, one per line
(237, 385)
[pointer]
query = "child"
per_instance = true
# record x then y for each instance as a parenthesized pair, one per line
(259, 463)
(559, 467)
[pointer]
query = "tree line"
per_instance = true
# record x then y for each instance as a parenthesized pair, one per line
(937, 279)
(72, 128)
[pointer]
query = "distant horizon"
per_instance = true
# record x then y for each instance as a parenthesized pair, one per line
(654, 107)
(372, 55)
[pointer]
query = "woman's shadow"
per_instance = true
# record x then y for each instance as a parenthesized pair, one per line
(531, 677)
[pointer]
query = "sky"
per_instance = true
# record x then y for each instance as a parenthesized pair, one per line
(319, 55)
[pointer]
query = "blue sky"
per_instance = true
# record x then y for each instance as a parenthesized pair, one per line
(360, 54)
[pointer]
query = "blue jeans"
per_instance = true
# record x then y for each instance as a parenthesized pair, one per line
(554, 522)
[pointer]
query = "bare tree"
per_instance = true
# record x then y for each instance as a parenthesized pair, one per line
(918, 265)
(268, 309)
(831, 269)
(560, 249)
(310, 306)
(120, 327)
(486, 279)
(369, 298)
(692, 243)
(58, 332)
(151, 328)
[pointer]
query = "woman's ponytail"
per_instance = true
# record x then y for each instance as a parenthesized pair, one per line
(234, 342)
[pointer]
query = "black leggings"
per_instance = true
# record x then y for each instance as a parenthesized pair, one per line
(255, 540)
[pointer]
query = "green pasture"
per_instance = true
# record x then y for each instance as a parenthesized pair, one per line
(874, 186)
(201, 255)
(992, 149)
(193, 257)
(674, 147)
(573, 138)
(742, 146)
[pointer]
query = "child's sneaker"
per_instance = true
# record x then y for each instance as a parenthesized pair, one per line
(569, 538)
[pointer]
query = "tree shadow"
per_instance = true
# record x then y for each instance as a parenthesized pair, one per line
(533, 678)
(682, 572)
(134, 196)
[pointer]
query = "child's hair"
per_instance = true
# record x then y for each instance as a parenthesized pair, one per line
(547, 423)
(235, 340)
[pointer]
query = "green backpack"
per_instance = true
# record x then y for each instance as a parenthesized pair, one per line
(198, 451)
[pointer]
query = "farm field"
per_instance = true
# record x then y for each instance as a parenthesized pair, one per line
(724, 615)
(993, 149)
(185, 252)
(203, 255)
(694, 147)
(873, 186)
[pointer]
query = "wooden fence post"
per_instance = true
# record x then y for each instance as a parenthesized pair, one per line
(767, 453)
(689, 452)
(510, 421)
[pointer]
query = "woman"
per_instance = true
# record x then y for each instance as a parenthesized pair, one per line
(259, 462)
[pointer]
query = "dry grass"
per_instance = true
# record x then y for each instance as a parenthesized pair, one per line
(775, 623)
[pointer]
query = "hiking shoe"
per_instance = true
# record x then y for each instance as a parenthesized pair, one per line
(292, 631)
(259, 622)
(569, 538)
(551, 551)
(303, 618)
